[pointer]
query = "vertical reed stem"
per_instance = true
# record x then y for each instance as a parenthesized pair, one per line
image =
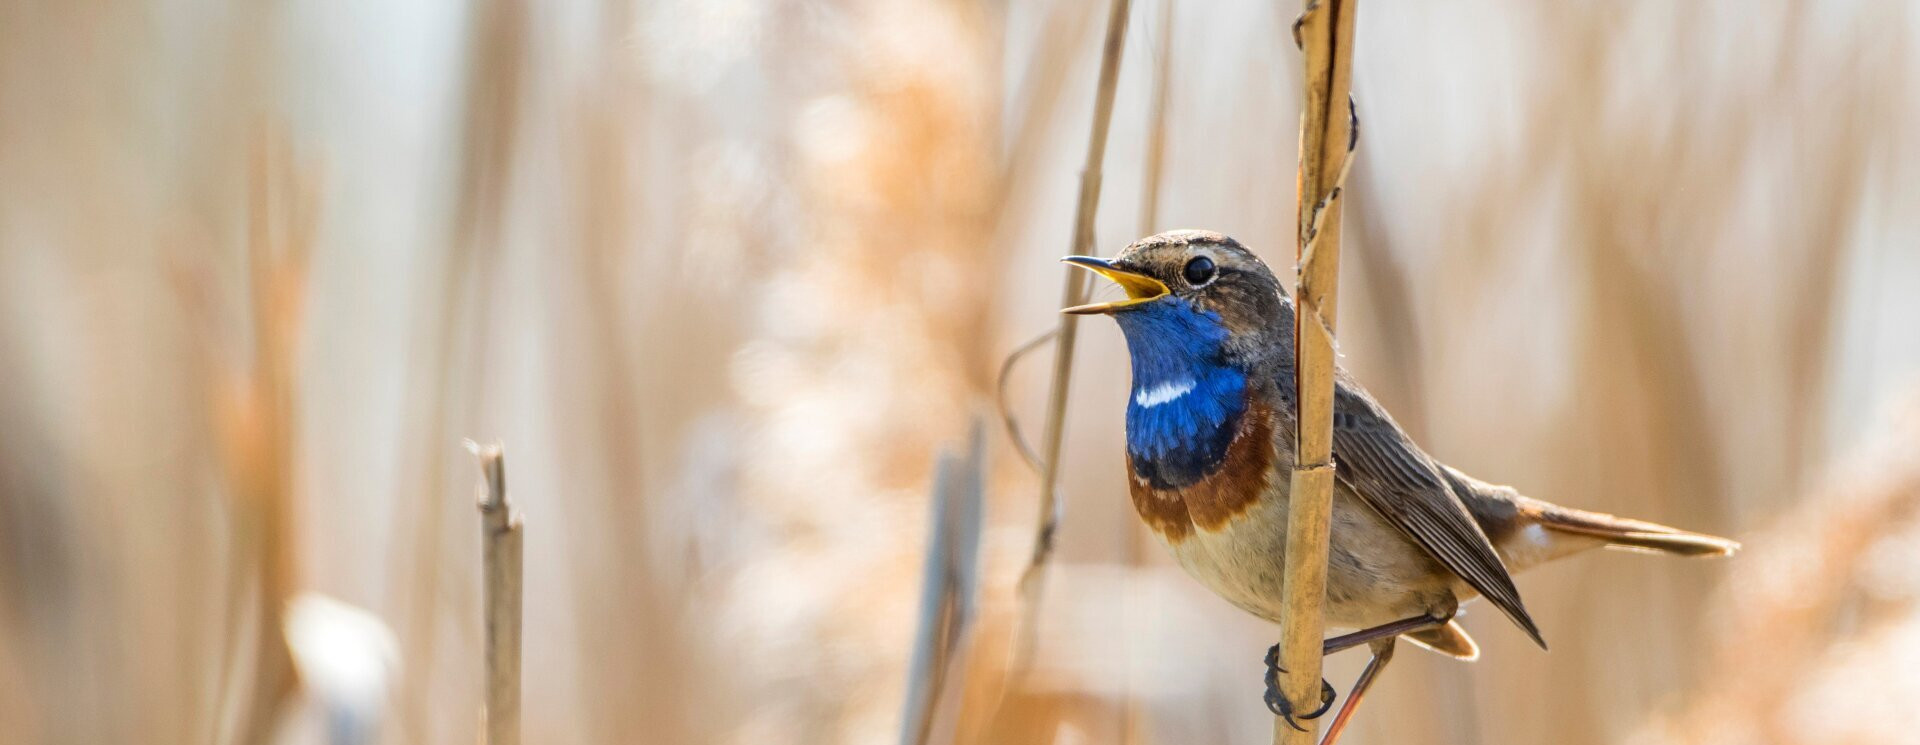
(948, 581)
(500, 554)
(1073, 293)
(1325, 32)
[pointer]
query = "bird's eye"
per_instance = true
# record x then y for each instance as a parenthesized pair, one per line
(1199, 271)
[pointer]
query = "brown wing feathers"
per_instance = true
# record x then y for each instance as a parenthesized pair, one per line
(1377, 461)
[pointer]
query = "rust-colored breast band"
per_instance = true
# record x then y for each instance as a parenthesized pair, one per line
(1226, 493)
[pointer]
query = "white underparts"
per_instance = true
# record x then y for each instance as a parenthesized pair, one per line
(1530, 546)
(1162, 393)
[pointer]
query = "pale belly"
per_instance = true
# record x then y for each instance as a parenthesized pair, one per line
(1375, 574)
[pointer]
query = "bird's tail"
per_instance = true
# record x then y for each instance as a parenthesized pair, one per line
(1634, 535)
(1529, 531)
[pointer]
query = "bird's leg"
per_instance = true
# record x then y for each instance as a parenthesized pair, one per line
(1382, 654)
(1383, 631)
(1387, 632)
(1277, 702)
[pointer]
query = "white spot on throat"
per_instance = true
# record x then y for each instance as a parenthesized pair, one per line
(1162, 393)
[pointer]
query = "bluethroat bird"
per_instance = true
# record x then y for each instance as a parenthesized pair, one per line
(1210, 431)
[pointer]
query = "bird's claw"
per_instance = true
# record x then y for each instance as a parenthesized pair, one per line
(1277, 702)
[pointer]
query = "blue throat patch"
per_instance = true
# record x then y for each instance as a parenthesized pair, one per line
(1187, 397)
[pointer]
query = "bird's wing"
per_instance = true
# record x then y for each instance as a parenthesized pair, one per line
(1380, 463)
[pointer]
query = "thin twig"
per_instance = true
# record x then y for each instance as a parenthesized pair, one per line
(500, 553)
(1325, 34)
(1000, 397)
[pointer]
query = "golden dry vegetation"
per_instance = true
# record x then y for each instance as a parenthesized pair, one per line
(725, 276)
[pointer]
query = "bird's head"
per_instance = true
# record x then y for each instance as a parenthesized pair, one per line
(1203, 318)
(1186, 279)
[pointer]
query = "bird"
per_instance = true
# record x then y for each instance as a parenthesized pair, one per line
(1210, 426)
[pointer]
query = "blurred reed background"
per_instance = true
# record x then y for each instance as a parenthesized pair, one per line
(725, 275)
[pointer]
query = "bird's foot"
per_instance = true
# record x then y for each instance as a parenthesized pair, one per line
(1277, 702)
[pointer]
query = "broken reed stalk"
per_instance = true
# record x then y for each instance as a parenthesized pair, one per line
(1325, 35)
(489, 135)
(1073, 293)
(500, 555)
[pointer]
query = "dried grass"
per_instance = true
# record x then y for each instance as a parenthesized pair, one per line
(749, 265)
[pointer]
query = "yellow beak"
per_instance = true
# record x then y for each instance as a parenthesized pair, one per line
(1140, 287)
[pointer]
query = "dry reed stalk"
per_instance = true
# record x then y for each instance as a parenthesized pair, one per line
(1325, 34)
(1039, 92)
(616, 422)
(497, 52)
(1073, 293)
(636, 702)
(1816, 588)
(948, 581)
(259, 431)
(501, 538)
(1039, 97)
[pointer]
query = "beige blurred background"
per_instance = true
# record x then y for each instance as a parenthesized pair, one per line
(724, 276)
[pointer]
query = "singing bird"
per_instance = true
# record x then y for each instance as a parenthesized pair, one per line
(1210, 430)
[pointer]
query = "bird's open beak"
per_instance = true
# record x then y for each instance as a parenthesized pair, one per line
(1140, 287)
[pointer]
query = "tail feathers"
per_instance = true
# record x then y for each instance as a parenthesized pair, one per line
(1450, 640)
(1635, 535)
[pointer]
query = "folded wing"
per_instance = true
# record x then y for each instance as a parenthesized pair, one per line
(1377, 460)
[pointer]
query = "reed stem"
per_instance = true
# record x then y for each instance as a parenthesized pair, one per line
(1073, 292)
(1325, 34)
(501, 558)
